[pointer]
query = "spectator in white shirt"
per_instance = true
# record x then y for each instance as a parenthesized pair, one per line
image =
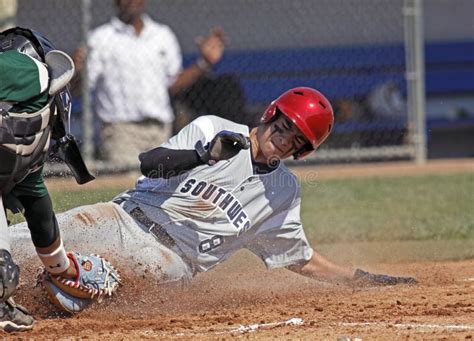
(134, 65)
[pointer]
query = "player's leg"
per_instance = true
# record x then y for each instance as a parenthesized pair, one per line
(91, 229)
(31, 197)
(106, 229)
(148, 253)
(83, 229)
(45, 235)
(113, 233)
(163, 264)
(12, 317)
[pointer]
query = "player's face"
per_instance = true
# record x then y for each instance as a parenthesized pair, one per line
(280, 139)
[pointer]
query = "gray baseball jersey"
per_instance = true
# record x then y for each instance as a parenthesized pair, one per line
(213, 211)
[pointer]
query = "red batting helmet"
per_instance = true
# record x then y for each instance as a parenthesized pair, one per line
(309, 110)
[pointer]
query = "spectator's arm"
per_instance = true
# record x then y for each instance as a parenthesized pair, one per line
(186, 78)
(211, 49)
(78, 58)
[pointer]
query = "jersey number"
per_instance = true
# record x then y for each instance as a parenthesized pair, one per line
(210, 244)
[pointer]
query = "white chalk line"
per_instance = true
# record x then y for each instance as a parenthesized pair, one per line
(296, 321)
(409, 325)
(250, 328)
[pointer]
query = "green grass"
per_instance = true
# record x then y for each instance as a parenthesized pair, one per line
(390, 209)
(62, 201)
(408, 208)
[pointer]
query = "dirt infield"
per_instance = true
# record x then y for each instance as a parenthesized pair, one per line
(241, 298)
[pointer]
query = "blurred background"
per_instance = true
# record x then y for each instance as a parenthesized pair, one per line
(399, 73)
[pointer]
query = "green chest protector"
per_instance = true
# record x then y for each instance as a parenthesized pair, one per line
(25, 136)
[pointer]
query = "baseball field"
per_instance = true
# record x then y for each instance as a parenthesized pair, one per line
(395, 218)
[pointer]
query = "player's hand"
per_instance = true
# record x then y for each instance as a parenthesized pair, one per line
(365, 277)
(225, 145)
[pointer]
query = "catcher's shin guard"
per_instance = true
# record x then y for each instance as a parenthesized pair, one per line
(9, 275)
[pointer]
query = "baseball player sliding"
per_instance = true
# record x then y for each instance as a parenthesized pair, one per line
(212, 189)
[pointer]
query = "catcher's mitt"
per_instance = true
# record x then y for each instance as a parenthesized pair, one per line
(96, 278)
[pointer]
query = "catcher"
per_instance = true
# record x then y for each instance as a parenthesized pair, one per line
(212, 189)
(35, 107)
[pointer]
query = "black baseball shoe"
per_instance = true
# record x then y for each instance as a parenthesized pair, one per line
(14, 317)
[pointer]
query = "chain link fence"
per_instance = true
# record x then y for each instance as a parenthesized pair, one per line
(354, 51)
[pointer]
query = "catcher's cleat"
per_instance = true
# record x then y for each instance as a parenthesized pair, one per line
(14, 317)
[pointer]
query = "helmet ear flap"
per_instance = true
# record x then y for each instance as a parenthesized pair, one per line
(273, 115)
(269, 113)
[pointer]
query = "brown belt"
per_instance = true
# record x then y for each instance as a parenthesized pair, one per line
(154, 228)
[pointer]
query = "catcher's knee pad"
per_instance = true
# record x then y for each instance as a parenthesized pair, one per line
(9, 275)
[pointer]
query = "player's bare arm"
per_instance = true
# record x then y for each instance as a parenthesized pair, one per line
(320, 268)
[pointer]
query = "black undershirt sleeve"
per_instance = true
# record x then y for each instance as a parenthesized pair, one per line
(166, 163)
